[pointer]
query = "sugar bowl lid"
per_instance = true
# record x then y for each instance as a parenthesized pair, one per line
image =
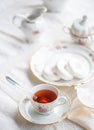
(81, 27)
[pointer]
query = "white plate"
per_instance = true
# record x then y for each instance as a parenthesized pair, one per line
(40, 58)
(85, 94)
(27, 112)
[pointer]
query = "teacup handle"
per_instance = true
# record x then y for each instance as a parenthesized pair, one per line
(17, 18)
(66, 30)
(61, 100)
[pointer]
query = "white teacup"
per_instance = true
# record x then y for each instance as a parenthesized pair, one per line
(55, 5)
(45, 98)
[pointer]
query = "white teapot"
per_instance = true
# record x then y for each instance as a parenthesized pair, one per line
(81, 32)
(30, 23)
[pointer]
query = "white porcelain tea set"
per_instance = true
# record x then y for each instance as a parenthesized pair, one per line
(31, 23)
(59, 65)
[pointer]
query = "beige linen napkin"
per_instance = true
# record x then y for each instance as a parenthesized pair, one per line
(82, 115)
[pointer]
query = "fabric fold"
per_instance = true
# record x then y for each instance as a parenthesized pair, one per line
(82, 115)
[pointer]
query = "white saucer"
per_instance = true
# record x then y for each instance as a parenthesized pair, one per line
(27, 112)
(41, 57)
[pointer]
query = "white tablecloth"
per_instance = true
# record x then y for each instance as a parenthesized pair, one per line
(15, 55)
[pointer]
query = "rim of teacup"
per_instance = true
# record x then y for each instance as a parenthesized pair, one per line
(57, 92)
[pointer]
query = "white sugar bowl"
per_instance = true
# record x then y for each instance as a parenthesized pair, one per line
(81, 31)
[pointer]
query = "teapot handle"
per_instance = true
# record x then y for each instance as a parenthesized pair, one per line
(66, 30)
(16, 18)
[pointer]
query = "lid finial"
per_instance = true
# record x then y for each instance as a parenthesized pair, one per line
(83, 21)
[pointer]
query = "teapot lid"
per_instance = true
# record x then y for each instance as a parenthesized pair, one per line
(80, 27)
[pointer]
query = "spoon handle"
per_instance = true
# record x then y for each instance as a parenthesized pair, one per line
(14, 83)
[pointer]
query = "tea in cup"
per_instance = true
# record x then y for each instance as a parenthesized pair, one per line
(45, 98)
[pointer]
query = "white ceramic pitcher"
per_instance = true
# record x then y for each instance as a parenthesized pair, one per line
(30, 23)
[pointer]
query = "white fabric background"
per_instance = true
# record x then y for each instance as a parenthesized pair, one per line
(15, 57)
